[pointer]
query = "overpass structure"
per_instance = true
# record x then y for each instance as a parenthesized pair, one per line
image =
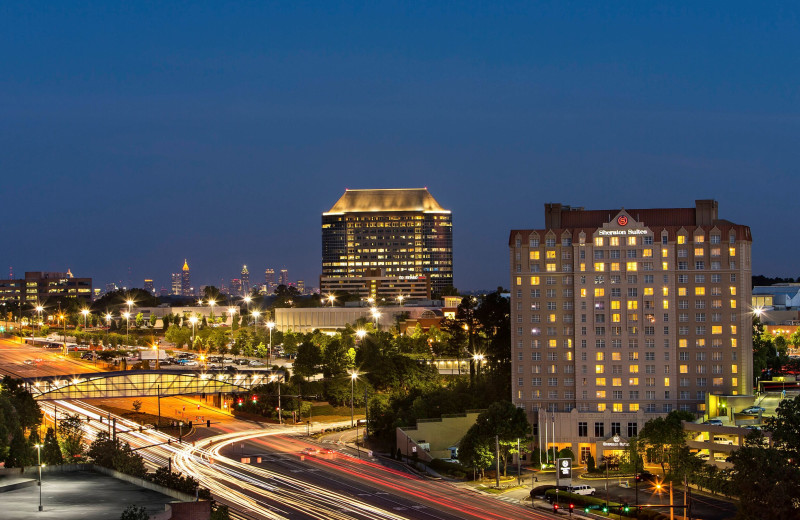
(141, 383)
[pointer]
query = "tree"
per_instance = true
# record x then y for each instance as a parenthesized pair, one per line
(474, 452)
(768, 486)
(71, 433)
(785, 427)
(137, 405)
(506, 422)
(309, 357)
(134, 513)
(153, 320)
(220, 512)
(51, 452)
(664, 436)
(178, 335)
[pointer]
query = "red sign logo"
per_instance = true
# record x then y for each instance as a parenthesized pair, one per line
(622, 220)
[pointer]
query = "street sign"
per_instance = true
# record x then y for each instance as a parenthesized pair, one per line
(564, 472)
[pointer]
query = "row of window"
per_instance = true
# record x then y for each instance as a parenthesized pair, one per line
(628, 240)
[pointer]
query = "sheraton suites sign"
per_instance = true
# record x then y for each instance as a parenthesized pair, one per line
(622, 232)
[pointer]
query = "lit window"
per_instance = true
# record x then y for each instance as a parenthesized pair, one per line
(600, 356)
(616, 356)
(633, 407)
(684, 369)
(733, 342)
(633, 369)
(535, 280)
(666, 381)
(681, 343)
(599, 369)
(647, 253)
(601, 407)
(733, 329)
(551, 268)
(583, 293)
(598, 241)
(732, 251)
(733, 290)
(519, 280)
(665, 291)
(613, 241)
(615, 318)
(583, 266)
(617, 407)
(633, 304)
(599, 291)
(733, 304)
(615, 266)
(533, 255)
(630, 266)
(716, 329)
(617, 381)
(551, 255)
(599, 266)
(734, 369)
(681, 291)
(699, 291)
(664, 266)
(698, 251)
(648, 291)
(633, 381)
(681, 239)
(615, 304)
(600, 381)
(600, 394)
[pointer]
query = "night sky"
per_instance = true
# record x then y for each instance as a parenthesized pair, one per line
(135, 134)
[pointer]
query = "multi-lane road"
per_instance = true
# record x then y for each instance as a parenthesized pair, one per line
(295, 477)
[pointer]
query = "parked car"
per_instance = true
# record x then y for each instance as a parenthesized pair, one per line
(714, 422)
(703, 456)
(646, 476)
(242, 362)
(257, 363)
(755, 410)
(582, 490)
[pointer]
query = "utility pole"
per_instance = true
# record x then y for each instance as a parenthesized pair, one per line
(497, 460)
(159, 402)
(519, 465)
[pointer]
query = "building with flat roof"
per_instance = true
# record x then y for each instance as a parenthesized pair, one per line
(38, 287)
(387, 233)
(620, 315)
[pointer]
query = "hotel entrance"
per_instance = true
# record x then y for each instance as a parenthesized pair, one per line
(613, 447)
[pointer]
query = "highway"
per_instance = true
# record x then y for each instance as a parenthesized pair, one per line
(287, 484)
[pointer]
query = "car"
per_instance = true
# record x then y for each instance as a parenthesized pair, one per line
(257, 363)
(327, 451)
(713, 422)
(309, 451)
(191, 363)
(227, 360)
(702, 456)
(582, 490)
(28, 361)
(753, 427)
(754, 410)
(646, 476)
(242, 362)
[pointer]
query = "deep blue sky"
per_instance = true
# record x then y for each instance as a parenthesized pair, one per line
(136, 134)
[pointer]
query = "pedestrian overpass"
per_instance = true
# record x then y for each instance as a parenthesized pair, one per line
(142, 383)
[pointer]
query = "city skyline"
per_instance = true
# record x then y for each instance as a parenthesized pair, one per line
(237, 138)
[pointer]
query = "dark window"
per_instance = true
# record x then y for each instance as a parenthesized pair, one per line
(583, 429)
(616, 428)
(599, 429)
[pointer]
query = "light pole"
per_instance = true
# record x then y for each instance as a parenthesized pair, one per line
(158, 352)
(130, 303)
(232, 312)
(256, 313)
(108, 326)
(361, 333)
(193, 321)
(85, 313)
(39, 310)
(127, 316)
(39, 458)
(331, 299)
(400, 299)
(375, 315)
(270, 326)
(211, 304)
(280, 412)
(247, 300)
(353, 377)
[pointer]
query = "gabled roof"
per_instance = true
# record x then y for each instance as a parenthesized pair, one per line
(412, 199)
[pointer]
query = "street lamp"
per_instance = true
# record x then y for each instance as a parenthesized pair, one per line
(361, 333)
(85, 313)
(129, 303)
(39, 457)
(247, 300)
(127, 316)
(108, 327)
(478, 358)
(211, 304)
(400, 299)
(39, 310)
(331, 299)
(353, 377)
(274, 378)
(270, 326)
(256, 313)
(375, 315)
(193, 321)
(155, 347)
(232, 312)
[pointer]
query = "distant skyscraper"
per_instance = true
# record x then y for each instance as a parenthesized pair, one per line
(245, 280)
(164, 292)
(398, 238)
(269, 278)
(175, 285)
(111, 287)
(283, 278)
(186, 282)
(236, 287)
(301, 286)
(149, 287)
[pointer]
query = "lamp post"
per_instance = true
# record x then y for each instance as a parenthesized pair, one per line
(256, 313)
(280, 412)
(353, 376)
(108, 326)
(400, 299)
(127, 316)
(130, 303)
(39, 458)
(39, 310)
(247, 300)
(85, 313)
(211, 304)
(331, 299)
(478, 358)
(375, 315)
(361, 333)
(193, 321)
(270, 326)
(232, 312)
(158, 352)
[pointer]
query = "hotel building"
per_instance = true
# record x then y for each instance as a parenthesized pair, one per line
(386, 235)
(621, 315)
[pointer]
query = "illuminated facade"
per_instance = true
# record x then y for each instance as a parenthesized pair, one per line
(400, 233)
(39, 287)
(619, 315)
(186, 282)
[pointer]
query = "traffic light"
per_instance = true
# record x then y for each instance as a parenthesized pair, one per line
(605, 508)
(626, 508)
(208, 423)
(555, 508)
(585, 509)
(571, 508)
